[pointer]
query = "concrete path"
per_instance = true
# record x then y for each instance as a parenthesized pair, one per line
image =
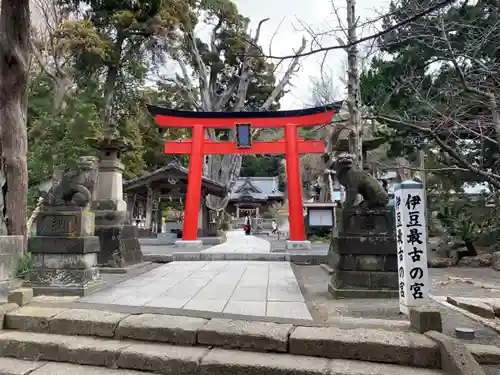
(263, 289)
(238, 242)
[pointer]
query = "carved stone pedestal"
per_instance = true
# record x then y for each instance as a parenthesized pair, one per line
(65, 253)
(363, 255)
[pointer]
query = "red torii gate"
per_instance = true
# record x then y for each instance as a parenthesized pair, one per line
(198, 146)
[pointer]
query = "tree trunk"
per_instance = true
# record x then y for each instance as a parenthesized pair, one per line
(14, 60)
(109, 124)
(353, 102)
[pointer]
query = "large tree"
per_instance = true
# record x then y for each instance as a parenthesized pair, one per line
(92, 66)
(111, 47)
(229, 75)
(436, 83)
(109, 52)
(14, 66)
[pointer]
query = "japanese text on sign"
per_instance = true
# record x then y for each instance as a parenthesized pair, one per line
(411, 239)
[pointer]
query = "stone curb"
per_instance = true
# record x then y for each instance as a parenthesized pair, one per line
(20, 296)
(169, 360)
(122, 270)
(403, 348)
(158, 258)
(456, 358)
(423, 319)
(378, 345)
(484, 321)
(294, 258)
(265, 257)
(485, 354)
(474, 306)
(309, 259)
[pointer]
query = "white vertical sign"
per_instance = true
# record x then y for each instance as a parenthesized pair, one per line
(411, 239)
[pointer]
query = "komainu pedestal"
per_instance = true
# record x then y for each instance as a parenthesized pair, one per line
(65, 252)
(363, 255)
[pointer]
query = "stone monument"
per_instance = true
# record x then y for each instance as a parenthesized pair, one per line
(65, 249)
(363, 252)
(119, 239)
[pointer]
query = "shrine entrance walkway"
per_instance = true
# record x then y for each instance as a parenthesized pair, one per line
(247, 288)
(238, 242)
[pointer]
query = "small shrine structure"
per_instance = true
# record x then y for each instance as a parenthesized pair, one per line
(147, 195)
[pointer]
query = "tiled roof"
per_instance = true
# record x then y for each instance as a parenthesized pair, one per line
(258, 187)
(213, 186)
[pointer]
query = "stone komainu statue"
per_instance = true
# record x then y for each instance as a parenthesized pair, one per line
(76, 186)
(359, 182)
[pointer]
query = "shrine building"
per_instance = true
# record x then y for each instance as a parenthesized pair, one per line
(147, 195)
(254, 196)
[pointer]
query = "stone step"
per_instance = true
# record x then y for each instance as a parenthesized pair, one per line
(158, 258)
(13, 366)
(168, 359)
(377, 345)
(209, 256)
(301, 258)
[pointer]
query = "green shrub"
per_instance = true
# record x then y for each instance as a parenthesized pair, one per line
(459, 221)
(24, 266)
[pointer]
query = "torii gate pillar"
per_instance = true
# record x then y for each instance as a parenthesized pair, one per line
(292, 146)
(295, 209)
(193, 193)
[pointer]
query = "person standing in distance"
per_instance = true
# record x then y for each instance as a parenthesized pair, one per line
(247, 224)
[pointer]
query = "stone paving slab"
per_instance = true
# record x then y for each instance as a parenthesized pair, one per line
(262, 289)
(238, 242)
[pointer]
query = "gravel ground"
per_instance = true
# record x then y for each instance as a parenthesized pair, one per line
(465, 282)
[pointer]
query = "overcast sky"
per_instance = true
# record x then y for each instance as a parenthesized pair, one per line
(316, 14)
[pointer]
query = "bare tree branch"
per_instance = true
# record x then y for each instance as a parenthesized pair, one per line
(413, 18)
(284, 80)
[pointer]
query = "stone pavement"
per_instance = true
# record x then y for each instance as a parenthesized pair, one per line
(237, 246)
(238, 242)
(262, 289)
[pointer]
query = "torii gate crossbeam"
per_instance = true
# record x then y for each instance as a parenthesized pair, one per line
(198, 146)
